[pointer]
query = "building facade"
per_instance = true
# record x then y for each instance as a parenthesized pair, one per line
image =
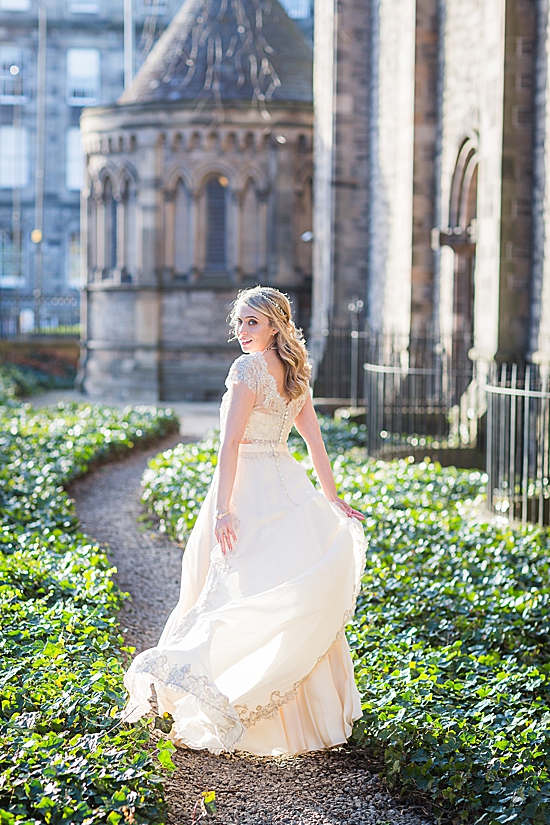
(53, 64)
(199, 182)
(45, 82)
(433, 172)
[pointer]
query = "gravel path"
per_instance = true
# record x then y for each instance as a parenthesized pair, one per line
(323, 788)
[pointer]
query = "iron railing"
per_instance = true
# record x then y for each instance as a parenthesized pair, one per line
(339, 378)
(417, 398)
(22, 315)
(423, 396)
(518, 442)
(410, 408)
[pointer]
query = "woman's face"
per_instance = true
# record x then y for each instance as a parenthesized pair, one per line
(253, 329)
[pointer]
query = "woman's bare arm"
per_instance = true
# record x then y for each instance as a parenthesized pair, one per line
(308, 426)
(240, 404)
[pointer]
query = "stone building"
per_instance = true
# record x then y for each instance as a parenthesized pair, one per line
(432, 171)
(199, 182)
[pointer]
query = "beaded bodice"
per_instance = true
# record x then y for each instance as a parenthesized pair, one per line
(272, 416)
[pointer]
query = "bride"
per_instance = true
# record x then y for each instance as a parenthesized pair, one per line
(253, 656)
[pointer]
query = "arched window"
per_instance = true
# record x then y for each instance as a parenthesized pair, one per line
(182, 245)
(461, 237)
(250, 231)
(110, 239)
(129, 227)
(216, 223)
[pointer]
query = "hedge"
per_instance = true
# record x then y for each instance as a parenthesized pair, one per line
(66, 755)
(451, 636)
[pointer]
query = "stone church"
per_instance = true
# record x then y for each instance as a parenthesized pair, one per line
(432, 182)
(199, 183)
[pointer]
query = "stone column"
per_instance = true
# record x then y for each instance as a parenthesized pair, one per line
(425, 216)
(539, 344)
(516, 215)
(488, 248)
(391, 165)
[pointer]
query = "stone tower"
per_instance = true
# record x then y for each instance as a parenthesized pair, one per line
(199, 182)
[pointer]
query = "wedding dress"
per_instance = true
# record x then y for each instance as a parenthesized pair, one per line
(254, 657)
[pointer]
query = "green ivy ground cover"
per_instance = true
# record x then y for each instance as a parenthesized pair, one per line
(452, 631)
(65, 754)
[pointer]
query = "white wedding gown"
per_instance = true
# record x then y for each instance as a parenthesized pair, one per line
(253, 657)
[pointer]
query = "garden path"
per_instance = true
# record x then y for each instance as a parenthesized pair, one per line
(324, 788)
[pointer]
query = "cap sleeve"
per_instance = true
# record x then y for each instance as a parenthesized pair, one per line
(245, 370)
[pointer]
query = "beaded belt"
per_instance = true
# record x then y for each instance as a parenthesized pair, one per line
(263, 448)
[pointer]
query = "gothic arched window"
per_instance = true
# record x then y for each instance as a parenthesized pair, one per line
(182, 245)
(129, 230)
(251, 227)
(216, 223)
(110, 236)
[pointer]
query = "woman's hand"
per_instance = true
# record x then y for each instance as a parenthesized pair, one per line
(225, 534)
(347, 509)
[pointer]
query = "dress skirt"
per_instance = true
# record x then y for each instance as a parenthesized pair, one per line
(254, 657)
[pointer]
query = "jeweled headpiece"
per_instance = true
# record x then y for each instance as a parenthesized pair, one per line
(273, 303)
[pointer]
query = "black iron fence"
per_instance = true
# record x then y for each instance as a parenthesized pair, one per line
(423, 396)
(518, 442)
(339, 378)
(22, 315)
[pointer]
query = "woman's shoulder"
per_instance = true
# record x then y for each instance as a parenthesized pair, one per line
(246, 369)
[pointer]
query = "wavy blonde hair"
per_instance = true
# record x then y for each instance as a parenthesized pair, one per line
(289, 341)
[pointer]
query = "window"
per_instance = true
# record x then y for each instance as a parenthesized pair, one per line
(297, 8)
(216, 220)
(15, 5)
(74, 159)
(74, 271)
(182, 246)
(251, 231)
(14, 157)
(110, 226)
(129, 230)
(83, 84)
(83, 6)
(10, 260)
(12, 73)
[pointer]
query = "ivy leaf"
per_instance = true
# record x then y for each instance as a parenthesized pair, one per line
(164, 723)
(164, 756)
(209, 801)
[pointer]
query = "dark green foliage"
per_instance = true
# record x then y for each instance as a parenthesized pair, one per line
(452, 640)
(452, 631)
(65, 754)
(9, 389)
(21, 380)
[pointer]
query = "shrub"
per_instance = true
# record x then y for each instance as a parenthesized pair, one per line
(451, 636)
(65, 754)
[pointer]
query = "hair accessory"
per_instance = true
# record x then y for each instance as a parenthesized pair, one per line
(279, 309)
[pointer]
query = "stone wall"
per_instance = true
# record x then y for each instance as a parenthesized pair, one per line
(157, 311)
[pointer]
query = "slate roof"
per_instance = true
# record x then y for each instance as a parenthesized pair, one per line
(215, 51)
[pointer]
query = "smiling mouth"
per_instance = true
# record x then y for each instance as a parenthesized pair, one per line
(248, 341)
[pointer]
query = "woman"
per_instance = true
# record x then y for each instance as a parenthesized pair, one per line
(253, 657)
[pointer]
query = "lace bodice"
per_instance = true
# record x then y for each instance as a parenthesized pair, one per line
(272, 417)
